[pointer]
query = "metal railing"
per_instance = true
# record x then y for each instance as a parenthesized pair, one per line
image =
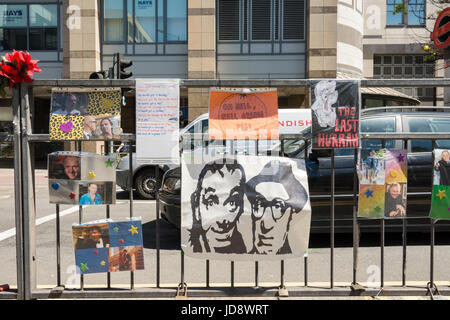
(25, 206)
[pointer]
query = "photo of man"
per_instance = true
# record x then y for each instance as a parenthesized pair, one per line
(127, 258)
(90, 127)
(69, 104)
(64, 167)
(442, 166)
(217, 204)
(91, 236)
(395, 200)
(275, 196)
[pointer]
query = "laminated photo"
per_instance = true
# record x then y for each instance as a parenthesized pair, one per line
(108, 245)
(245, 208)
(85, 114)
(371, 167)
(395, 200)
(97, 167)
(64, 165)
(95, 193)
(440, 198)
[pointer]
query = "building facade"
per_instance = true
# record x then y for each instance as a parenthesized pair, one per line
(223, 39)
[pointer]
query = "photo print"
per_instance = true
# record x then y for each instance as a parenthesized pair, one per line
(85, 114)
(92, 178)
(335, 114)
(245, 208)
(126, 258)
(440, 199)
(383, 183)
(108, 245)
(95, 193)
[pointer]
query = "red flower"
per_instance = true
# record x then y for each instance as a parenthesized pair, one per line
(18, 67)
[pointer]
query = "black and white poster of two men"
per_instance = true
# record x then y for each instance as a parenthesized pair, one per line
(245, 208)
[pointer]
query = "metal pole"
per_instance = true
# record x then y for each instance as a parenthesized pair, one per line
(80, 219)
(18, 192)
(332, 222)
(305, 258)
(58, 247)
(382, 253)
(131, 203)
(432, 221)
(207, 273)
(355, 219)
(256, 262)
(404, 233)
(158, 244)
(108, 214)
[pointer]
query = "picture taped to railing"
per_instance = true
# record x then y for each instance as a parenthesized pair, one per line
(82, 178)
(108, 245)
(383, 183)
(243, 114)
(85, 114)
(245, 208)
(335, 113)
(440, 199)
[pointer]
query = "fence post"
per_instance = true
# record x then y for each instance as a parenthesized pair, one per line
(18, 192)
(28, 199)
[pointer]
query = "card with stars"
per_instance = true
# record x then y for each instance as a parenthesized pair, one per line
(383, 178)
(108, 245)
(440, 199)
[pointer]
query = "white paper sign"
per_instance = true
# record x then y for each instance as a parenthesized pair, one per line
(245, 208)
(157, 121)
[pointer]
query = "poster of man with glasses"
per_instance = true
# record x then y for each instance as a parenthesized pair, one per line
(245, 208)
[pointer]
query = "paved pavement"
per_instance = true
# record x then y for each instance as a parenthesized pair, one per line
(418, 254)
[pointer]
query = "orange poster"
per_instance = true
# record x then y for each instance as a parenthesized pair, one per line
(243, 114)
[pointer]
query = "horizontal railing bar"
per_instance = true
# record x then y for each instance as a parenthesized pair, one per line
(197, 83)
(46, 138)
(367, 135)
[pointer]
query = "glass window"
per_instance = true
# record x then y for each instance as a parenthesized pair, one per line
(113, 21)
(13, 15)
(379, 124)
(391, 18)
(43, 39)
(130, 24)
(160, 28)
(13, 39)
(293, 20)
(428, 124)
(144, 21)
(176, 20)
(229, 20)
(43, 15)
(416, 12)
(261, 22)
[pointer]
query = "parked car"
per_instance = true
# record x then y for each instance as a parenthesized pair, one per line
(319, 173)
(147, 177)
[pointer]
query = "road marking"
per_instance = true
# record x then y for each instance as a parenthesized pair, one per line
(12, 232)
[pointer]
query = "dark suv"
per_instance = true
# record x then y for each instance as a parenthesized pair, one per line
(319, 171)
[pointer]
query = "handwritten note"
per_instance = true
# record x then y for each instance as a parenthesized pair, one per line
(157, 121)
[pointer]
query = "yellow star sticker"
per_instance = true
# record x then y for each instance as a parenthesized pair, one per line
(133, 230)
(441, 194)
(91, 175)
(103, 263)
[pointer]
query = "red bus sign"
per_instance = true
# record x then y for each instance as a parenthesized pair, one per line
(441, 32)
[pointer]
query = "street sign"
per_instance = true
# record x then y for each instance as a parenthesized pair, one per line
(441, 32)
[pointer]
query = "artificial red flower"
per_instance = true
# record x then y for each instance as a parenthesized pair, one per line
(16, 68)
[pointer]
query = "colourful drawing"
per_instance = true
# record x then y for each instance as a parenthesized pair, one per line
(440, 199)
(396, 166)
(371, 201)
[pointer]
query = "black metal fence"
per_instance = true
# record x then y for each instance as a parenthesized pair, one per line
(25, 212)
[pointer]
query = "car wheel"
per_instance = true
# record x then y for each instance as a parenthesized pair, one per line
(147, 184)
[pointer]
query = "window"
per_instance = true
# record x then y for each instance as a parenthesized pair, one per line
(378, 124)
(405, 12)
(148, 21)
(428, 124)
(261, 20)
(29, 27)
(405, 66)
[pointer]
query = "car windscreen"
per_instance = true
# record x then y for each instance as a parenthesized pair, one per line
(428, 124)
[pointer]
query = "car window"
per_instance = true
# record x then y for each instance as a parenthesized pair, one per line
(428, 124)
(378, 124)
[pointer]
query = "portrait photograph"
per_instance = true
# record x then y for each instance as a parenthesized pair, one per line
(129, 258)
(108, 127)
(64, 166)
(395, 200)
(441, 167)
(96, 193)
(69, 103)
(91, 236)
(372, 167)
